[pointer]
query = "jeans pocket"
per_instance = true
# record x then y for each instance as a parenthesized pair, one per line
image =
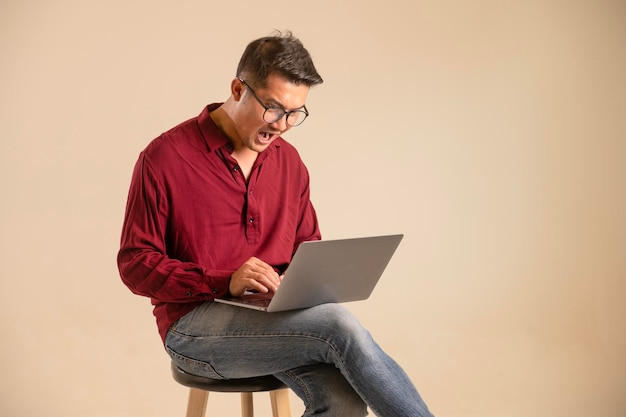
(193, 366)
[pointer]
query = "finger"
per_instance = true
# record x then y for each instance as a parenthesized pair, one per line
(254, 275)
(258, 285)
(243, 284)
(267, 282)
(261, 280)
(267, 275)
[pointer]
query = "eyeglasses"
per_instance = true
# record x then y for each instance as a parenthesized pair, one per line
(272, 114)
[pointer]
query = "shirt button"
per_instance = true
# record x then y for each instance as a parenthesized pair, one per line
(215, 291)
(189, 293)
(251, 219)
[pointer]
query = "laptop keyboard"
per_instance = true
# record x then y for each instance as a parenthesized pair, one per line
(260, 302)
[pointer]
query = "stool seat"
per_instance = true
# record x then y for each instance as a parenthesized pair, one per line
(199, 388)
(254, 384)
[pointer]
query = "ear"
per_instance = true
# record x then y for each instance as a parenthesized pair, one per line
(236, 88)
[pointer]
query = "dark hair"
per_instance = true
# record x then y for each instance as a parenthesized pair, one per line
(279, 54)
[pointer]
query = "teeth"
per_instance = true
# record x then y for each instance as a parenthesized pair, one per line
(265, 136)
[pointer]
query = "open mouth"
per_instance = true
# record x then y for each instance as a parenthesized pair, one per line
(266, 137)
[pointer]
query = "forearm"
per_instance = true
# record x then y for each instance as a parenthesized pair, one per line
(154, 275)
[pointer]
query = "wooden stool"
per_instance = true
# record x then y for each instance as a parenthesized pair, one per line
(200, 388)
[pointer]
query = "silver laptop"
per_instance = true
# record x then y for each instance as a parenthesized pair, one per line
(326, 271)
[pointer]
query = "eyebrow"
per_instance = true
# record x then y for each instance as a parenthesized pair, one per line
(281, 106)
(273, 100)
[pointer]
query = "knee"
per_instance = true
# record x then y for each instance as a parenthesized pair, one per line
(341, 322)
(339, 317)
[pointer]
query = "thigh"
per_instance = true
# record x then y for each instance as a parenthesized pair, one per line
(222, 341)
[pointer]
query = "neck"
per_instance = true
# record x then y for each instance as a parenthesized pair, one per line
(244, 156)
(222, 119)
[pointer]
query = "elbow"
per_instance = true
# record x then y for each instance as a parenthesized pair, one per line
(128, 270)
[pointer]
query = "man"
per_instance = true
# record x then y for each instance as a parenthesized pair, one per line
(218, 205)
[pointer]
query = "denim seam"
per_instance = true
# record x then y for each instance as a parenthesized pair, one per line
(191, 361)
(302, 385)
(339, 360)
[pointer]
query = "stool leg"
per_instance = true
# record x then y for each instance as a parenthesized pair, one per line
(196, 406)
(280, 403)
(247, 407)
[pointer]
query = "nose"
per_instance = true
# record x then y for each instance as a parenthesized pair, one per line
(281, 124)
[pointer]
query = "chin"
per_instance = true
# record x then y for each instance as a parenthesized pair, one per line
(259, 146)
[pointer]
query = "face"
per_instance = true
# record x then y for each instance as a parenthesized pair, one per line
(253, 132)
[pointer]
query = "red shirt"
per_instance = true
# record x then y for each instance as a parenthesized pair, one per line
(192, 220)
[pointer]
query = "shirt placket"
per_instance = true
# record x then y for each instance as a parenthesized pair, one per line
(251, 219)
(253, 212)
(253, 232)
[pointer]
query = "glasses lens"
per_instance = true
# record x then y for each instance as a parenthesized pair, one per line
(272, 115)
(296, 117)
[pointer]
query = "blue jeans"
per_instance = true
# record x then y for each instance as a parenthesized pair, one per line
(322, 353)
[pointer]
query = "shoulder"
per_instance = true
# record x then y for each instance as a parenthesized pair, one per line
(179, 140)
(289, 163)
(287, 151)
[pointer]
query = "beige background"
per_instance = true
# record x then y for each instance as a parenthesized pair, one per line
(492, 134)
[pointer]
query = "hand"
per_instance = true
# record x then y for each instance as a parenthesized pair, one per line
(254, 275)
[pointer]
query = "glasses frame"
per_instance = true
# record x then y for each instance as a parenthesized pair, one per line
(284, 114)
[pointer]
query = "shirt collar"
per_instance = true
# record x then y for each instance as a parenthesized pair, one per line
(213, 135)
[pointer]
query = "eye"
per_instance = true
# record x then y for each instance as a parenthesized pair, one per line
(277, 111)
